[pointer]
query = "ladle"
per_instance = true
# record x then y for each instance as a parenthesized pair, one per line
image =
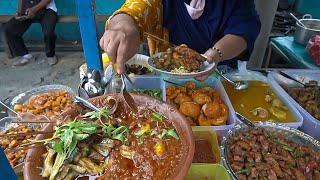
(237, 85)
(128, 99)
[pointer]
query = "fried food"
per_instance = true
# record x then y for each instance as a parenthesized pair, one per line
(201, 98)
(202, 106)
(182, 98)
(308, 97)
(17, 157)
(180, 59)
(211, 110)
(49, 104)
(190, 109)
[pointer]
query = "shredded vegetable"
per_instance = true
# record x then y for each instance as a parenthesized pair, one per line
(181, 69)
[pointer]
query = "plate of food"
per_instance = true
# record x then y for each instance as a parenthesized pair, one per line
(270, 151)
(10, 143)
(48, 100)
(154, 143)
(180, 62)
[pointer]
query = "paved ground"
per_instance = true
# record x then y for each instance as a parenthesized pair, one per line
(19, 79)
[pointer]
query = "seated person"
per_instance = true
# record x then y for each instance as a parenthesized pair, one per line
(32, 11)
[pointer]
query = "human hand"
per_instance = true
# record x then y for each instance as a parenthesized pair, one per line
(31, 12)
(211, 57)
(121, 40)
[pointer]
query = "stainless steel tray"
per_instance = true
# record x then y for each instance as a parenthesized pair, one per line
(291, 133)
(25, 96)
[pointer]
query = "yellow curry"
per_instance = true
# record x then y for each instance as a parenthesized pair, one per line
(258, 103)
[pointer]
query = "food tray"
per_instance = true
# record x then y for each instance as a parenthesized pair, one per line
(23, 97)
(207, 171)
(291, 133)
(310, 125)
(216, 84)
(145, 82)
(6, 123)
(251, 75)
(207, 133)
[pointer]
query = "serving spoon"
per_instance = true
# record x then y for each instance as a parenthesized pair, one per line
(237, 85)
(128, 99)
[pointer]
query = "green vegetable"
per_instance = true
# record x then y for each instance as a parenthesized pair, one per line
(157, 117)
(65, 140)
(288, 148)
(57, 146)
(121, 133)
(180, 70)
(296, 153)
(243, 171)
(170, 132)
(156, 93)
(285, 145)
(103, 113)
(291, 165)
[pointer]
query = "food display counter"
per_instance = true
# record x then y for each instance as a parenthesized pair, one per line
(208, 107)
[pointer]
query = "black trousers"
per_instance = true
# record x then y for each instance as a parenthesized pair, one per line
(14, 30)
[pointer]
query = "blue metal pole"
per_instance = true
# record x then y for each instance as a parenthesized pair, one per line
(89, 34)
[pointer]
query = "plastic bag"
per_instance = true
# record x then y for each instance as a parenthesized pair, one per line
(313, 49)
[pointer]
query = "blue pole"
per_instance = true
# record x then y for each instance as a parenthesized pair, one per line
(89, 34)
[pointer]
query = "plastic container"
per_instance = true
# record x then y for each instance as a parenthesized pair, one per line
(216, 84)
(207, 133)
(207, 172)
(138, 59)
(145, 82)
(310, 125)
(252, 75)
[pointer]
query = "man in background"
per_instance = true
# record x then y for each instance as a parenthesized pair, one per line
(32, 11)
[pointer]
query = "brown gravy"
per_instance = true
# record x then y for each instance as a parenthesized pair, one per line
(203, 152)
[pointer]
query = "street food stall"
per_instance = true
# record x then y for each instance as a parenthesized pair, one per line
(155, 121)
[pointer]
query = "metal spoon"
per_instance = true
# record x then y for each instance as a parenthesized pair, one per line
(128, 99)
(299, 22)
(237, 85)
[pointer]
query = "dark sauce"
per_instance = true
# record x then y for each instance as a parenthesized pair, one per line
(203, 152)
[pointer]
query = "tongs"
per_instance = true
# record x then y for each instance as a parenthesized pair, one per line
(244, 120)
(291, 78)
